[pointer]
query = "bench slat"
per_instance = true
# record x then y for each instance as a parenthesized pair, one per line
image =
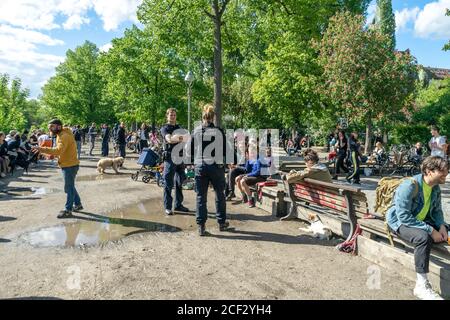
(359, 202)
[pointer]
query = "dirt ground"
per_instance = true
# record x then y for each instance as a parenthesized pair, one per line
(163, 257)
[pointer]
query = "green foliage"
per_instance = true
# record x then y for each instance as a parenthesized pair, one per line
(447, 46)
(386, 21)
(74, 94)
(362, 76)
(410, 134)
(13, 100)
(433, 102)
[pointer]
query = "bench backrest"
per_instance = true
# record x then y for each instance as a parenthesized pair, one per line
(332, 196)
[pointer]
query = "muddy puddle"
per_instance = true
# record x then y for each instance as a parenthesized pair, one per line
(25, 192)
(91, 229)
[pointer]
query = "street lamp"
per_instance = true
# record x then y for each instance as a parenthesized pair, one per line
(189, 81)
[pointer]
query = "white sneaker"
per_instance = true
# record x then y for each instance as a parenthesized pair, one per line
(426, 292)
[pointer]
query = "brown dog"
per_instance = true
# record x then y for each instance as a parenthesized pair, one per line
(105, 163)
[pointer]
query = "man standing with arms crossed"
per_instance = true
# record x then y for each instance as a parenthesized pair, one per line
(172, 171)
(66, 151)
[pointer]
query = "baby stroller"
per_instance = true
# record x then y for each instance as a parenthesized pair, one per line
(150, 167)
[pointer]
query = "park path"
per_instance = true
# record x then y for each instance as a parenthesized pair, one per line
(261, 258)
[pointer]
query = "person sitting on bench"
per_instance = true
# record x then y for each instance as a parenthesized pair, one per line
(256, 171)
(314, 170)
(416, 216)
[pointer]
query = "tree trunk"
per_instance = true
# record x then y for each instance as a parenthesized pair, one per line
(368, 145)
(218, 64)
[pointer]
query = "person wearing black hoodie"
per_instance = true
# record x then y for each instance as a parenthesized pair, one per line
(121, 140)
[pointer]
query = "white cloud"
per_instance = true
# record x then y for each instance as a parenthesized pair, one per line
(114, 12)
(431, 22)
(106, 47)
(29, 14)
(22, 23)
(41, 14)
(28, 36)
(404, 17)
(75, 22)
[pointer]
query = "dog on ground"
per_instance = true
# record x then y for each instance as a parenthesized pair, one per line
(114, 163)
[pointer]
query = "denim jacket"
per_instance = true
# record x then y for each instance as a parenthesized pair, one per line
(406, 208)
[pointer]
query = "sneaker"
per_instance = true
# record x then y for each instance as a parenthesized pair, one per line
(78, 208)
(169, 212)
(251, 203)
(335, 177)
(426, 292)
(182, 209)
(64, 214)
(230, 196)
(224, 226)
(201, 230)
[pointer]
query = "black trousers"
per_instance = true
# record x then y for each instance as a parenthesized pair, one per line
(422, 243)
(354, 174)
(340, 163)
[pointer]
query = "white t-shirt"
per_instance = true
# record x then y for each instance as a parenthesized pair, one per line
(437, 142)
(42, 138)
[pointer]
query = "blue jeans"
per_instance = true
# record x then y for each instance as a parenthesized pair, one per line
(79, 148)
(205, 174)
(173, 174)
(69, 175)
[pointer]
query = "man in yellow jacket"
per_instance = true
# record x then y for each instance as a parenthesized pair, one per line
(66, 151)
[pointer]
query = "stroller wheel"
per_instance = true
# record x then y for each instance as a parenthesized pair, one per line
(134, 176)
(146, 179)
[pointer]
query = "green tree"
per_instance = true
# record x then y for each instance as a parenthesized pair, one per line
(386, 21)
(364, 78)
(13, 100)
(74, 94)
(433, 105)
(447, 46)
(184, 21)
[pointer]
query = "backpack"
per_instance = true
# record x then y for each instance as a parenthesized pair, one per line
(386, 190)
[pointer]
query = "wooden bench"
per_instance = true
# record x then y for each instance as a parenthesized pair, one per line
(272, 199)
(341, 203)
(287, 166)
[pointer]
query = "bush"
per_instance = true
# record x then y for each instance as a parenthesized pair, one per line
(410, 134)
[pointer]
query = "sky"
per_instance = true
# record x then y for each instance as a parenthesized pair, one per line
(36, 34)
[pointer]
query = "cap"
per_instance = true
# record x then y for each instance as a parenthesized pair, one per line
(56, 121)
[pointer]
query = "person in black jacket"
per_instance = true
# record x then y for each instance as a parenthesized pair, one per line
(4, 160)
(174, 174)
(209, 169)
(342, 148)
(144, 134)
(105, 140)
(121, 140)
(354, 148)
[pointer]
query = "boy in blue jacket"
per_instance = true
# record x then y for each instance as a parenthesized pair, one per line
(257, 170)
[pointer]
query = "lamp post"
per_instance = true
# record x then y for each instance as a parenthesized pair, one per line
(189, 81)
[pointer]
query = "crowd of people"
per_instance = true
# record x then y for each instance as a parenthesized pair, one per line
(415, 214)
(15, 149)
